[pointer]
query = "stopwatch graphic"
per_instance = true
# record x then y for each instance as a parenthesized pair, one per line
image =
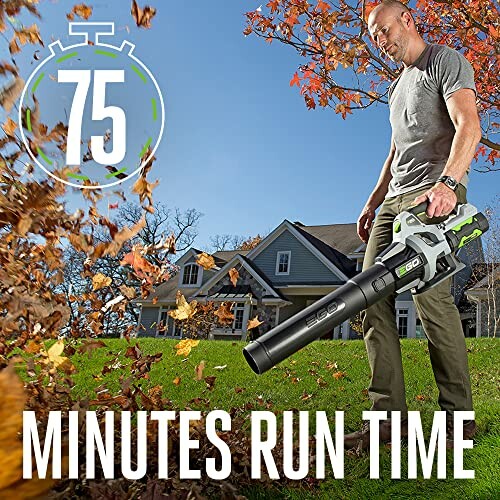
(92, 107)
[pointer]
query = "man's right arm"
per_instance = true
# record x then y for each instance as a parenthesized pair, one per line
(365, 220)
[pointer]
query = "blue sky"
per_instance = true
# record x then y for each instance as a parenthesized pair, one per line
(239, 144)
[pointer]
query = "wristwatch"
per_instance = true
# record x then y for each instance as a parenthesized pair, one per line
(449, 181)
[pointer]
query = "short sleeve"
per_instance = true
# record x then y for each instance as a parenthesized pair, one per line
(453, 72)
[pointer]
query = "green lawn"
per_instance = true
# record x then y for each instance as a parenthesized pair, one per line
(306, 381)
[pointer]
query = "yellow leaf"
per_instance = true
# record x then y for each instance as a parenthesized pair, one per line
(184, 309)
(184, 346)
(233, 276)
(206, 261)
(99, 281)
(253, 323)
(58, 361)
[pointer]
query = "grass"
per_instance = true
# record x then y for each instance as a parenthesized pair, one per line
(306, 381)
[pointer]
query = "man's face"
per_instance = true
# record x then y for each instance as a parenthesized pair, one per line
(388, 33)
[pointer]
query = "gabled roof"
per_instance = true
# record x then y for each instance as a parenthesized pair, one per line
(342, 237)
(339, 259)
(335, 260)
(251, 268)
(227, 255)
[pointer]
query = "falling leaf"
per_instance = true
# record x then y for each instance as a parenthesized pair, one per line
(90, 346)
(142, 17)
(224, 313)
(114, 170)
(112, 206)
(10, 93)
(80, 10)
(12, 401)
(9, 127)
(184, 309)
(206, 261)
(99, 281)
(176, 381)
(233, 276)
(253, 323)
(199, 370)
(56, 360)
(184, 346)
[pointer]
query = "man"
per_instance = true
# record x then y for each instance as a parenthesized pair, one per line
(435, 132)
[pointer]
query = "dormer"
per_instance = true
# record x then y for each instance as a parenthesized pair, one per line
(191, 275)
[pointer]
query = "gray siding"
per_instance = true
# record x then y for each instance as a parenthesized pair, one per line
(149, 317)
(304, 265)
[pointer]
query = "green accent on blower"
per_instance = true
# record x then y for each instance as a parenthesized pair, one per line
(402, 271)
(470, 237)
(397, 227)
(457, 228)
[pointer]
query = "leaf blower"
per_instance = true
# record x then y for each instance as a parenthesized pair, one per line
(420, 256)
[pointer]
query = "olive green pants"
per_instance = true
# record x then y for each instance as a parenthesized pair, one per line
(440, 319)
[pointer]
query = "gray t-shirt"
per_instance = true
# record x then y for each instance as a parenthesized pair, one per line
(422, 130)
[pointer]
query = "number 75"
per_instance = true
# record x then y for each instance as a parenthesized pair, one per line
(99, 112)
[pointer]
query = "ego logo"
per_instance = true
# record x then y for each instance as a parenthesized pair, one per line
(92, 107)
(409, 266)
(321, 314)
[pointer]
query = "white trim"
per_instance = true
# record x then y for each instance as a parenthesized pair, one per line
(278, 255)
(286, 225)
(222, 273)
(199, 277)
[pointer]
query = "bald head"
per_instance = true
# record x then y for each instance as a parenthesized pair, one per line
(393, 31)
(393, 6)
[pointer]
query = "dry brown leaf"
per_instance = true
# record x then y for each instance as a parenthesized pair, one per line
(142, 17)
(199, 370)
(176, 381)
(9, 127)
(253, 323)
(99, 281)
(13, 46)
(12, 399)
(224, 313)
(10, 93)
(184, 346)
(80, 10)
(339, 375)
(206, 261)
(184, 309)
(234, 275)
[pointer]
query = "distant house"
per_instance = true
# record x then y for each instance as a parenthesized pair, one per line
(291, 268)
(484, 292)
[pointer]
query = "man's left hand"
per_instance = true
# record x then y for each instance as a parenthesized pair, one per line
(442, 200)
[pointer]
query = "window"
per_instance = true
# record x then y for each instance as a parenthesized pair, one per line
(190, 276)
(167, 326)
(403, 323)
(283, 262)
(419, 330)
(239, 310)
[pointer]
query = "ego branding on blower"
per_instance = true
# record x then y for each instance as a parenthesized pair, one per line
(322, 313)
(409, 266)
(101, 108)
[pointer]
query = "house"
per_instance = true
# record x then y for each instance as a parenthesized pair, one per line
(484, 292)
(291, 268)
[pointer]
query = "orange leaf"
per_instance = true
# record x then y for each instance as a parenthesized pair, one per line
(253, 323)
(224, 313)
(176, 381)
(295, 80)
(142, 17)
(184, 346)
(233, 276)
(184, 309)
(206, 261)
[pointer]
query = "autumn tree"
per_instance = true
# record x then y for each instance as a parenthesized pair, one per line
(164, 232)
(343, 70)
